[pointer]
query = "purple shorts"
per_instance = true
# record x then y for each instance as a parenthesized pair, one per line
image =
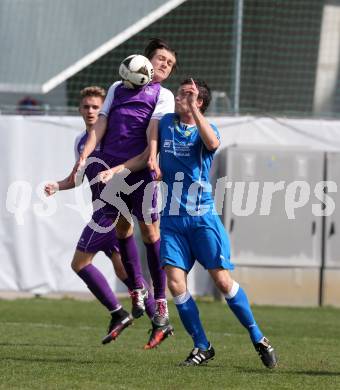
(99, 235)
(141, 202)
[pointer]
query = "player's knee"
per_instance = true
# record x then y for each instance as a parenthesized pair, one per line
(124, 232)
(176, 287)
(124, 229)
(76, 267)
(224, 284)
(150, 237)
(80, 261)
(150, 234)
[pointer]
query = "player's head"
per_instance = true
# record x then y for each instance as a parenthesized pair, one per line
(91, 101)
(204, 95)
(162, 57)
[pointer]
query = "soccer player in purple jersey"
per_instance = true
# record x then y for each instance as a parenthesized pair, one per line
(128, 115)
(92, 240)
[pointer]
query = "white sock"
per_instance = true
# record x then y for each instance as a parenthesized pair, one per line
(233, 291)
(182, 298)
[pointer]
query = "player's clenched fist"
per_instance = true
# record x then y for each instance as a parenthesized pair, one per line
(51, 188)
(107, 175)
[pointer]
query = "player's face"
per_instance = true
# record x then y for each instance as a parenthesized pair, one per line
(162, 61)
(89, 109)
(181, 100)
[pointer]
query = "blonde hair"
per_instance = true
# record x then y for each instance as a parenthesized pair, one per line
(92, 91)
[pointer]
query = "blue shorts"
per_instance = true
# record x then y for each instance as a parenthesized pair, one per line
(187, 239)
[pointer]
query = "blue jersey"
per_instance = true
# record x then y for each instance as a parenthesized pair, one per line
(185, 163)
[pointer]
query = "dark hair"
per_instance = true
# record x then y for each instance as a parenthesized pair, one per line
(156, 43)
(204, 91)
(92, 91)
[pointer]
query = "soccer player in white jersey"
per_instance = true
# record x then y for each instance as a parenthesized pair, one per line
(94, 239)
(190, 227)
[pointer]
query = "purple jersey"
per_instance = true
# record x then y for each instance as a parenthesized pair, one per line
(90, 240)
(80, 142)
(94, 168)
(128, 112)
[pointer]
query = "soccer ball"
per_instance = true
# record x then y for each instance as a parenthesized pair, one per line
(136, 71)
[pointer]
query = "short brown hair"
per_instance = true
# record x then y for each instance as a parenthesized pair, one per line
(204, 91)
(92, 91)
(157, 43)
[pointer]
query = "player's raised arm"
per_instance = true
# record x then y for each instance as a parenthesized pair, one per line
(95, 136)
(165, 105)
(197, 109)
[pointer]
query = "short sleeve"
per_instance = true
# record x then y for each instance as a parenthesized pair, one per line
(165, 104)
(76, 143)
(109, 99)
(214, 127)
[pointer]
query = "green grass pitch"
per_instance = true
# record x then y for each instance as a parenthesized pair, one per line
(56, 344)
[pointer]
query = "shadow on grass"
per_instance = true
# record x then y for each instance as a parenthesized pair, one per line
(203, 366)
(315, 373)
(278, 371)
(57, 360)
(47, 360)
(48, 345)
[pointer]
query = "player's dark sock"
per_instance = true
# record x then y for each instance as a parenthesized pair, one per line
(130, 258)
(98, 285)
(158, 275)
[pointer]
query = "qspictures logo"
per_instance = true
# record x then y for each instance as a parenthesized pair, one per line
(245, 198)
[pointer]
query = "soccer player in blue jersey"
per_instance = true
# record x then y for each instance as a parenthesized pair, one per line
(190, 227)
(99, 234)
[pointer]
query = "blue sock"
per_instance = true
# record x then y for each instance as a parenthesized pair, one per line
(238, 303)
(188, 312)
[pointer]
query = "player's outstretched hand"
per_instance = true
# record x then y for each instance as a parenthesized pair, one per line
(107, 175)
(154, 167)
(51, 188)
(191, 92)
